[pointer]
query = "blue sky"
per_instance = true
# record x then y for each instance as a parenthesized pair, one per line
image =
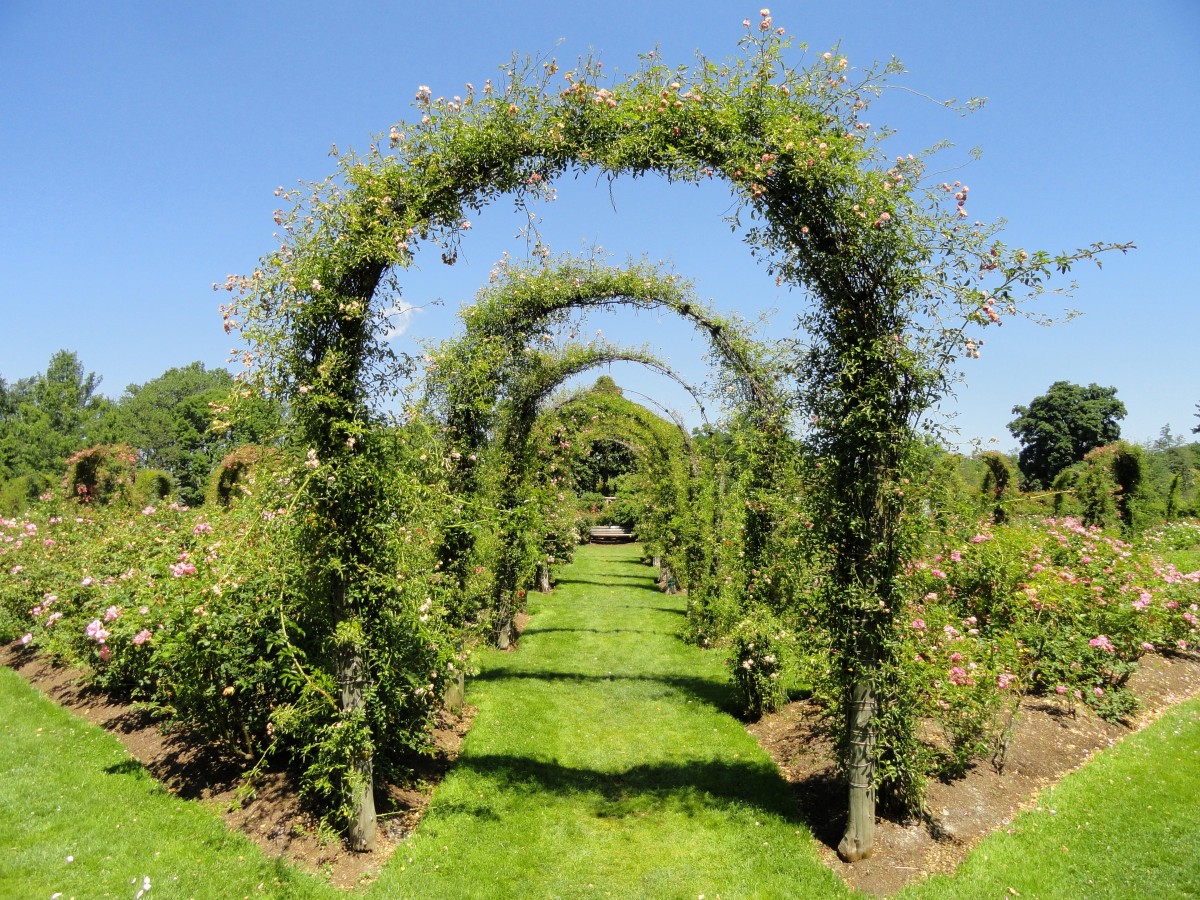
(142, 143)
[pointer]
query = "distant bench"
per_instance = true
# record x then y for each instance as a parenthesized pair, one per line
(609, 534)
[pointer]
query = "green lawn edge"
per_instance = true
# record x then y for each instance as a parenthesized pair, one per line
(81, 818)
(1125, 825)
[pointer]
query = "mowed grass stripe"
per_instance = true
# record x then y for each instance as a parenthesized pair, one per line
(80, 817)
(603, 761)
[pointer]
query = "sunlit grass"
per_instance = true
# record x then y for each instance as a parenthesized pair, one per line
(1125, 826)
(602, 763)
(80, 817)
(1183, 560)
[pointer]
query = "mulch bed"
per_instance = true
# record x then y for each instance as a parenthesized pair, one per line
(273, 815)
(1047, 743)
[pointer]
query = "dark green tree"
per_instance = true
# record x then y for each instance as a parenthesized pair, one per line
(1059, 427)
(170, 421)
(46, 418)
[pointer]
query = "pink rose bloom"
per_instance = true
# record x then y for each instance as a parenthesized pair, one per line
(918, 624)
(88, 582)
(1061, 689)
(955, 556)
(1004, 680)
(142, 636)
(1098, 691)
(1147, 646)
(149, 511)
(113, 612)
(26, 638)
(1103, 643)
(184, 568)
(958, 675)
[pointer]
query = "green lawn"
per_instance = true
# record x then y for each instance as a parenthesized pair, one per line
(80, 817)
(1127, 825)
(600, 764)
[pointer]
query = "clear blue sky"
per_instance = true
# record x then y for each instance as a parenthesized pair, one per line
(142, 142)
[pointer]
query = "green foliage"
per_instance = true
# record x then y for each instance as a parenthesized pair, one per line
(758, 650)
(999, 486)
(151, 485)
(882, 261)
(46, 418)
(102, 474)
(203, 615)
(170, 420)
(17, 494)
(237, 475)
(1059, 427)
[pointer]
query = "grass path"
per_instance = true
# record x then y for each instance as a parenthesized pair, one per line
(600, 764)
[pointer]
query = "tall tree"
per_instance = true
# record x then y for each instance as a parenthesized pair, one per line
(1059, 427)
(46, 418)
(170, 421)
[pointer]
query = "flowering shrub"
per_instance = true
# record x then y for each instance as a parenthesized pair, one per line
(197, 614)
(758, 648)
(1175, 536)
(102, 473)
(1050, 606)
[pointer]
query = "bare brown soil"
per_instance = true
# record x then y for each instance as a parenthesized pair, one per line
(1048, 742)
(268, 810)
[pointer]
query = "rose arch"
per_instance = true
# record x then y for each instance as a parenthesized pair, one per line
(825, 213)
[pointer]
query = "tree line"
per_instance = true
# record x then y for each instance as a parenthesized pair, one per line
(169, 421)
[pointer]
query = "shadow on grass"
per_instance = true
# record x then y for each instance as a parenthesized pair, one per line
(640, 583)
(667, 609)
(533, 629)
(717, 694)
(687, 787)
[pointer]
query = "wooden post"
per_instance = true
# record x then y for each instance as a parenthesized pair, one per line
(362, 783)
(544, 579)
(859, 839)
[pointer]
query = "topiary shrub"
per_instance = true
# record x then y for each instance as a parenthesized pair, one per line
(18, 493)
(999, 485)
(152, 485)
(238, 472)
(1129, 474)
(102, 474)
